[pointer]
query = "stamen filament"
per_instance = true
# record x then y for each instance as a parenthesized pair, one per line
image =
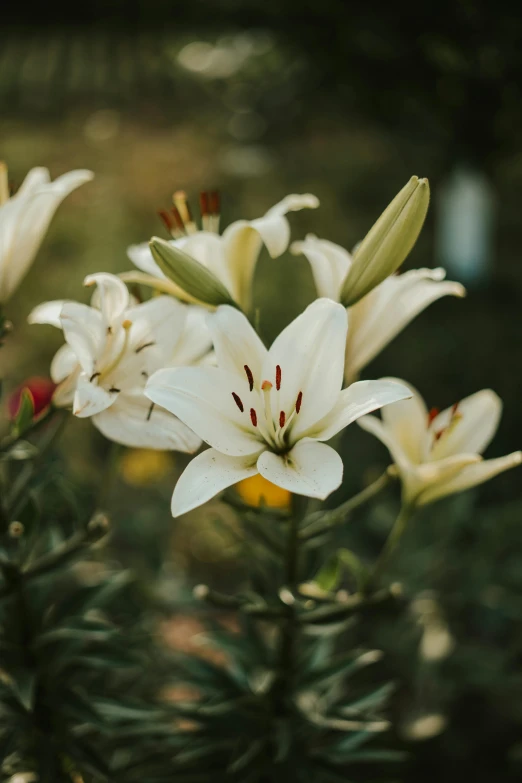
(181, 203)
(4, 184)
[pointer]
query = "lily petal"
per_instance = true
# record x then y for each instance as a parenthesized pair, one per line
(47, 313)
(310, 468)
(470, 476)
(136, 422)
(28, 215)
(63, 364)
(202, 398)
(478, 418)
(310, 353)
(111, 295)
(329, 262)
(85, 332)
(90, 399)
(375, 426)
(379, 316)
(407, 422)
(63, 396)
(196, 341)
(357, 400)
(242, 242)
(236, 343)
(206, 475)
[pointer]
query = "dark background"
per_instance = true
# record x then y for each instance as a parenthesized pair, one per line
(346, 101)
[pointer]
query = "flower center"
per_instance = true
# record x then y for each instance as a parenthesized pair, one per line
(455, 417)
(178, 220)
(113, 361)
(271, 421)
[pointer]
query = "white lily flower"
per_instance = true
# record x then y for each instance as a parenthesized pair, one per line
(110, 351)
(25, 218)
(438, 454)
(232, 256)
(380, 315)
(268, 411)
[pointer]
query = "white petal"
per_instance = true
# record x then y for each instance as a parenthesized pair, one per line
(472, 432)
(63, 364)
(357, 400)
(85, 332)
(32, 210)
(374, 425)
(136, 422)
(90, 398)
(47, 313)
(311, 469)
(242, 242)
(141, 257)
(195, 341)
(160, 320)
(385, 311)
(310, 353)
(407, 421)
(236, 343)
(63, 396)
(111, 295)
(202, 398)
(470, 476)
(206, 475)
(329, 263)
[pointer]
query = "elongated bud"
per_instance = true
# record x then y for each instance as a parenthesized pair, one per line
(194, 278)
(388, 242)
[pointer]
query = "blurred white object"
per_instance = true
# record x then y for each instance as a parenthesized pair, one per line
(465, 225)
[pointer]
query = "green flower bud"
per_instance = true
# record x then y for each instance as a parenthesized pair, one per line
(187, 273)
(388, 242)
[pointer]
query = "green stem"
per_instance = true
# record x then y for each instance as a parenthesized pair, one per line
(322, 522)
(390, 546)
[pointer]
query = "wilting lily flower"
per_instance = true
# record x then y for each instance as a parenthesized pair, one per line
(25, 218)
(438, 454)
(268, 411)
(380, 315)
(111, 349)
(230, 257)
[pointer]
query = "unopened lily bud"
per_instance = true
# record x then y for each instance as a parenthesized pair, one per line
(388, 242)
(194, 278)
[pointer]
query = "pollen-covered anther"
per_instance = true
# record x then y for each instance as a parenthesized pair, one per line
(299, 402)
(253, 417)
(238, 401)
(282, 419)
(433, 413)
(214, 207)
(249, 376)
(278, 377)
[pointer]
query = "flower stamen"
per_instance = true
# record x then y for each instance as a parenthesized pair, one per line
(181, 203)
(4, 184)
(249, 376)
(238, 401)
(282, 419)
(299, 402)
(253, 417)
(278, 377)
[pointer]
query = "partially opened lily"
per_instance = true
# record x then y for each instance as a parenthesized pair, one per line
(438, 454)
(25, 218)
(268, 411)
(111, 349)
(230, 257)
(380, 315)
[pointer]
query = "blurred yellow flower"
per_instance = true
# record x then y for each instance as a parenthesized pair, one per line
(141, 467)
(257, 491)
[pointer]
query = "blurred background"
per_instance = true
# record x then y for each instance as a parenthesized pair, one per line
(261, 99)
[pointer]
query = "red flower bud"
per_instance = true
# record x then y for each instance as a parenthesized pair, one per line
(40, 389)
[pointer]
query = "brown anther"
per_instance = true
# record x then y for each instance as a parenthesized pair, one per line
(266, 386)
(237, 400)
(178, 222)
(278, 377)
(454, 409)
(282, 419)
(204, 203)
(253, 417)
(249, 376)
(167, 220)
(298, 402)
